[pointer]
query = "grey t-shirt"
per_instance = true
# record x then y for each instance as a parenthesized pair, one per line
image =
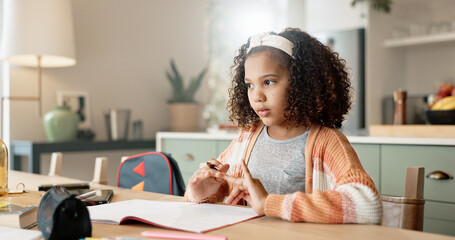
(279, 164)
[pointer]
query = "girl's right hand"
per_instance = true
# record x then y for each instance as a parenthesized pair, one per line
(206, 181)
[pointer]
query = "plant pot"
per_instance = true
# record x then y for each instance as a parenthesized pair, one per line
(184, 117)
(60, 124)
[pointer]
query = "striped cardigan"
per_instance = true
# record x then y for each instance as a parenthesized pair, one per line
(338, 190)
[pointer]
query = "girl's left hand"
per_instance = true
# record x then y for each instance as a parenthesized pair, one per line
(248, 188)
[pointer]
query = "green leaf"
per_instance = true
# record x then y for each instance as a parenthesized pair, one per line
(177, 89)
(180, 93)
(194, 85)
(178, 78)
(378, 5)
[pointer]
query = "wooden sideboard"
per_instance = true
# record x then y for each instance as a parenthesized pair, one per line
(33, 150)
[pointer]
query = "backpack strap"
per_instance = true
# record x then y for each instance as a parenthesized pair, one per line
(253, 139)
(179, 189)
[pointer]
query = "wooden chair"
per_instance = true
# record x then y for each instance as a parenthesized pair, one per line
(100, 172)
(406, 212)
(124, 158)
(56, 164)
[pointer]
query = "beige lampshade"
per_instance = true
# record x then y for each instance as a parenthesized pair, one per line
(34, 28)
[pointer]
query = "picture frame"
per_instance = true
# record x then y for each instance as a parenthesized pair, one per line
(78, 102)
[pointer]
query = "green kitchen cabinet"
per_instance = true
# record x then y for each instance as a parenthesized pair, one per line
(222, 145)
(370, 158)
(439, 215)
(190, 152)
(395, 159)
(439, 218)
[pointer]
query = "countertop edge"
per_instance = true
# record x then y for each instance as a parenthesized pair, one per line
(197, 135)
(352, 139)
(399, 140)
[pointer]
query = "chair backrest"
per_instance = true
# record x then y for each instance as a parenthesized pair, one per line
(406, 212)
(100, 172)
(123, 158)
(99, 175)
(56, 164)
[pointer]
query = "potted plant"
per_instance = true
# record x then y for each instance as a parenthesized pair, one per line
(379, 5)
(184, 111)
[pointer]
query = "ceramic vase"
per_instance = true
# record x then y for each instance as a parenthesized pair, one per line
(60, 124)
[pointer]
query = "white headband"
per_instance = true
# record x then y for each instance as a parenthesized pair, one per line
(274, 41)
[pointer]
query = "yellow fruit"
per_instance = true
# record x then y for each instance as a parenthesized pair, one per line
(447, 103)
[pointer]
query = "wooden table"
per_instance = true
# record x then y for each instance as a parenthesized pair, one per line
(259, 228)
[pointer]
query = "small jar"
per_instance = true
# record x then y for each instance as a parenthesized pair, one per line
(3, 168)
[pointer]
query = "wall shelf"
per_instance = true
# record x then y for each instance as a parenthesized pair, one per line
(420, 40)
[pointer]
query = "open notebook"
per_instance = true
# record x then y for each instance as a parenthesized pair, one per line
(17, 233)
(183, 216)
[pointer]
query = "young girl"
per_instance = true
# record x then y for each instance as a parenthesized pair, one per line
(289, 95)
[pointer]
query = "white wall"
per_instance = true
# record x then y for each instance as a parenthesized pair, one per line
(427, 66)
(123, 48)
(383, 66)
(297, 14)
(418, 69)
(334, 15)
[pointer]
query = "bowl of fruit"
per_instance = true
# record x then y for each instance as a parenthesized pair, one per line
(442, 107)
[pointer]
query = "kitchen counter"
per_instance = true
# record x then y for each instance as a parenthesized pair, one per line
(405, 141)
(353, 139)
(412, 131)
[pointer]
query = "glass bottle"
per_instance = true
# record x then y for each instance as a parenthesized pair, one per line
(3, 168)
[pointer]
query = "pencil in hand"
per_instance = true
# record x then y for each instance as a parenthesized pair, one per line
(212, 166)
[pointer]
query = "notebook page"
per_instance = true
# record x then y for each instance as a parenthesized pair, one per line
(176, 215)
(17, 233)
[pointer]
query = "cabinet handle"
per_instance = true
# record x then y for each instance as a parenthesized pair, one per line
(189, 157)
(439, 175)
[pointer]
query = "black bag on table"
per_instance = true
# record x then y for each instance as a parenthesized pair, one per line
(62, 216)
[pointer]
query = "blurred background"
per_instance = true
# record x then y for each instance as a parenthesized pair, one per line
(123, 49)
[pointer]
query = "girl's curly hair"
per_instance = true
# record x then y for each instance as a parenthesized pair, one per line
(319, 86)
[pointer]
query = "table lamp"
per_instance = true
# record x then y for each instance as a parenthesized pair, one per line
(37, 33)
